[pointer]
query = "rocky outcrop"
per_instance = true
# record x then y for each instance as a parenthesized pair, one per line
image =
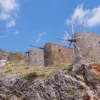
(61, 86)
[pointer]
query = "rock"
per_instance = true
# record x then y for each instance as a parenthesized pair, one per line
(3, 62)
(61, 86)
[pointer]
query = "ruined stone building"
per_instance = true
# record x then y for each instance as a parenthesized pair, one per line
(35, 57)
(57, 55)
(17, 57)
(51, 55)
(89, 45)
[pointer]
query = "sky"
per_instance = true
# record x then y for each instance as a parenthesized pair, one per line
(36, 22)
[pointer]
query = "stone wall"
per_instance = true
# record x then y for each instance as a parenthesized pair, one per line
(57, 55)
(35, 57)
(89, 52)
(9, 57)
(17, 57)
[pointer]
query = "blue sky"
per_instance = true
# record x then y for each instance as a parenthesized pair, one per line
(35, 22)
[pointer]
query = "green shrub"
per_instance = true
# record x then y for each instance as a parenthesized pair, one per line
(31, 76)
(42, 75)
(1, 74)
(70, 67)
(8, 69)
(7, 98)
(1, 84)
(16, 62)
(26, 63)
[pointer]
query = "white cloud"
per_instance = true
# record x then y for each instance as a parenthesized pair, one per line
(8, 8)
(91, 17)
(40, 37)
(11, 24)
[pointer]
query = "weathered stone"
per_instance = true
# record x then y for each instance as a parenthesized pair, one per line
(12, 58)
(57, 55)
(3, 62)
(35, 57)
(17, 57)
(89, 51)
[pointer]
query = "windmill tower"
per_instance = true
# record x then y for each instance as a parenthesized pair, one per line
(35, 56)
(72, 39)
(86, 48)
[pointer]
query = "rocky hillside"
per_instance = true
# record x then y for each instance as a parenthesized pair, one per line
(64, 85)
(23, 82)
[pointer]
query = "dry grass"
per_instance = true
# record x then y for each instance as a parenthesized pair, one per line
(40, 72)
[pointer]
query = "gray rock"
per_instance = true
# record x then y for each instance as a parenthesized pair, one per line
(61, 86)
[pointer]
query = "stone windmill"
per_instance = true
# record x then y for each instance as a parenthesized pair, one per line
(35, 56)
(86, 49)
(72, 39)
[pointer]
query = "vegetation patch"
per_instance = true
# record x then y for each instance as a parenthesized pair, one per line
(1, 84)
(69, 68)
(8, 69)
(33, 75)
(34, 72)
(1, 75)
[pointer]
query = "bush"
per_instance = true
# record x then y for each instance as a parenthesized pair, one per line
(1, 84)
(31, 76)
(68, 68)
(1, 74)
(8, 69)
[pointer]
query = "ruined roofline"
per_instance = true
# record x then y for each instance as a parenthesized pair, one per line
(36, 49)
(87, 32)
(57, 45)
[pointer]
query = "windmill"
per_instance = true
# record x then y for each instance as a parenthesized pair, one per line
(72, 39)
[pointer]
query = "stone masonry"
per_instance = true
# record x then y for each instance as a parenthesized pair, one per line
(35, 57)
(57, 55)
(89, 52)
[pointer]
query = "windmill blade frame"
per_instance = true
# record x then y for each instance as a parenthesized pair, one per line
(61, 39)
(67, 34)
(77, 46)
(37, 47)
(81, 26)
